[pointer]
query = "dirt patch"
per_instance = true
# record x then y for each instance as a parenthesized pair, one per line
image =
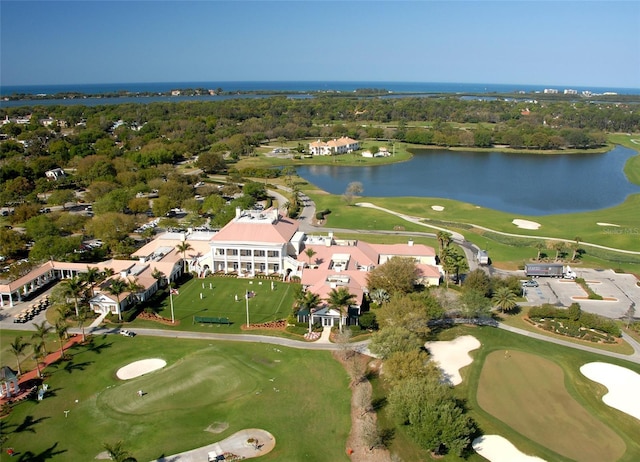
(362, 418)
(217, 427)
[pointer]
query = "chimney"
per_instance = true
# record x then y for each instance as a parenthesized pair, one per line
(238, 212)
(410, 242)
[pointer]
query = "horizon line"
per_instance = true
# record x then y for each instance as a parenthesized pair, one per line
(550, 85)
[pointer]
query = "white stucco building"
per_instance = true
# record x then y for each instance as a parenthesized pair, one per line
(340, 145)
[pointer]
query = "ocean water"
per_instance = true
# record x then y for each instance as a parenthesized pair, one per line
(296, 87)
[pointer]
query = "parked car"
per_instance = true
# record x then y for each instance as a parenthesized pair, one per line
(127, 333)
(530, 283)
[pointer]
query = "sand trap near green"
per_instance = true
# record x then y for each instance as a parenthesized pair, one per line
(527, 392)
(138, 368)
(623, 385)
(453, 355)
(498, 449)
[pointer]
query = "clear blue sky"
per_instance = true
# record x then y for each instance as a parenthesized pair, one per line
(582, 43)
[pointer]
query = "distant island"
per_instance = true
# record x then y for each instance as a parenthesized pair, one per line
(207, 90)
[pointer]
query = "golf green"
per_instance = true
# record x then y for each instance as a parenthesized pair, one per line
(527, 392)
(207, 391)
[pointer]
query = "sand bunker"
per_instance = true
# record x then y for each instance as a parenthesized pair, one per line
(498, 449)
(623, 385)
(453, 355)
(526, 224)
(138, 368)
(608, 224)
(437, 208)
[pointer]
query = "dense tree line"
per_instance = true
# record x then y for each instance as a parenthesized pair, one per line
(118, 155)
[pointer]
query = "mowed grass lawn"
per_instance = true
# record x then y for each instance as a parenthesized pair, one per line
(207, 391)
(219, 301)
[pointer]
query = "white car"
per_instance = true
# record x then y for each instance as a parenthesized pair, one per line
(127, 333)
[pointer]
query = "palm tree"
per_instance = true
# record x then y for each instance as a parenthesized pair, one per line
(117, 452)
(559, 247)
(309, 301)
(116, 288)
(575, 247)
(37, 356)
(310, 253)
(504, 299)
(158, 276)
(42, 330)
(444, 239)
(340, 299)
(539, 246)
(82, 317)
(453, 261)
(91, 276)
(183, 247)
(133, 286)
(73, 287)
(61, 331)
(17, 347)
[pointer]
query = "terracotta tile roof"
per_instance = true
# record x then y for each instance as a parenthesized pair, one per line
(257, 232)
(405, 250)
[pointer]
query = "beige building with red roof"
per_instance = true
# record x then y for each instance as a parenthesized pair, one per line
(340, 145)
(256, 242)
(346, 263)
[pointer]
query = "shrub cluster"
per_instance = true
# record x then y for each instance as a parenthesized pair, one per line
(574, 321)
(320, 215)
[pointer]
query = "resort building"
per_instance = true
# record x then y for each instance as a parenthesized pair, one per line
(341, 145)
(255, 242)
(345, 263)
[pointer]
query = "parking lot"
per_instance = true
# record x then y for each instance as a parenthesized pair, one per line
(606, 283)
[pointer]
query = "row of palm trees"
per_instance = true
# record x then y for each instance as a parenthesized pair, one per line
(559, 247)
(38, 345)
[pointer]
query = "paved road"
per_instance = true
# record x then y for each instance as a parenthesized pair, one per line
(635, 357)
(233, 338)
(359, 346)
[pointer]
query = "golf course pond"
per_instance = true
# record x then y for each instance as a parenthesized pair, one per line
(524, 184)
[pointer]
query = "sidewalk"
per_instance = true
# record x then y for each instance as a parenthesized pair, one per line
(326, 333)
(99, 320)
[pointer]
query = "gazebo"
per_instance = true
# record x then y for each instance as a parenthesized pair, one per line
(8, 382)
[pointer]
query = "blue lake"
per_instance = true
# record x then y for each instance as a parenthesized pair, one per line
(524, 184)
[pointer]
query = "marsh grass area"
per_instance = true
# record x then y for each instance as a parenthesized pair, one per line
(539, 389)
(219, 301)
(207, 391)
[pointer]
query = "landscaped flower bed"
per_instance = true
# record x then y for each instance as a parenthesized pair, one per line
(572, 322)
